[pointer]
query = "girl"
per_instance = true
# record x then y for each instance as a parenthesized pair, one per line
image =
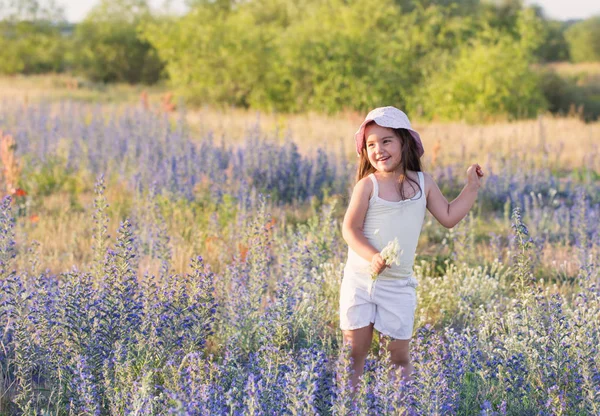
(389, 201)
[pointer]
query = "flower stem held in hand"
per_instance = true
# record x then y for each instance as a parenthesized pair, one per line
(390, 254)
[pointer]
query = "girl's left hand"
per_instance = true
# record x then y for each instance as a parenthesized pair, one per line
(474, 174)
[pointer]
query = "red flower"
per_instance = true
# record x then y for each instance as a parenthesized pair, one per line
(20, 192)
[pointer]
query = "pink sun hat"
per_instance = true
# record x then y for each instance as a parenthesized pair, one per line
(387, 117)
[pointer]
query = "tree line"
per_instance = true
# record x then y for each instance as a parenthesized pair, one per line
(467, 59)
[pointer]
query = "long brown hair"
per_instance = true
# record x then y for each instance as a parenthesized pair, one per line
(410, 159)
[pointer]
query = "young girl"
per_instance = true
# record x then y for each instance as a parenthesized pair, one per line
(389, 201)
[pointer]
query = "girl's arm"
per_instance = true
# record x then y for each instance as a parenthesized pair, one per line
(352, 228)
(449, 214)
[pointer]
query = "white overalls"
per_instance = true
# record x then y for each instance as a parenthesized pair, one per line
(390, 300)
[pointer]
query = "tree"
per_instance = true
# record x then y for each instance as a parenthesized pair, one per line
(222, 56)
(31, 10)
(310, 55)
(30, 37)
(109, 48)
(554, 48)
(490, 76)
(584, 40)
(458, 7)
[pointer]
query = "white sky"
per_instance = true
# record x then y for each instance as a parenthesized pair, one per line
(568, 9)
(76, 10)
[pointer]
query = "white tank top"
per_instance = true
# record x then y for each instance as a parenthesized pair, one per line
(402, 219)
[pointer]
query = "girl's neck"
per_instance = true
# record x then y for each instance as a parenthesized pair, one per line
(395, 174)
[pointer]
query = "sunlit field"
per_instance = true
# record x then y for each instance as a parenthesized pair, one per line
(157, 259)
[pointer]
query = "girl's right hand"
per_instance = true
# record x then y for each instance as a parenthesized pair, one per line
(378, 263)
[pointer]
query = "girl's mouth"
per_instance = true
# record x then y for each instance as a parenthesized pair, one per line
(383, 159)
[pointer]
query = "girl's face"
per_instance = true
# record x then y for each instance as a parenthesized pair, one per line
(383, 148)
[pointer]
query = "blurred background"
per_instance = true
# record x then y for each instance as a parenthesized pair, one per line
(472, 60)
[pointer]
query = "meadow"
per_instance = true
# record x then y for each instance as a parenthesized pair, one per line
(188, 262)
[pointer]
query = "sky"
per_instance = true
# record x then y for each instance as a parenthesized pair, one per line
(76, 10)
(568, 9)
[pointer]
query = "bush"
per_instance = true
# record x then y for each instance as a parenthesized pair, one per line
(489, 77)
(554, 48)
(31, 47)
(565, 96)
(215, 56)
(108, 48)
(584, 40)
(318, 56)
(484, 80)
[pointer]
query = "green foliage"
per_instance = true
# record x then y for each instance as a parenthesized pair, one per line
(450, 298)
(314, 55)
(567, 95)
(108, 48)
(523, 264)
(226, 61)
(335, 58)
(323, 55)
(501, 14)
(467, 59)
(31, 47)
(485, 80)
(490, 76)
(554, 47)
(460, 7)
(365, 63)
(31, 39)
(584, 40)
(7, 237)
(100, 229)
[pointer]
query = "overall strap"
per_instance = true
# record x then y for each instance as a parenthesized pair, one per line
(422, 182)
(375, 185)
(422, 186)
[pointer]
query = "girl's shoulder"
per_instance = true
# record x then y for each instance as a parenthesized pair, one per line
(427, 178)
(428, 182)
(364, 187)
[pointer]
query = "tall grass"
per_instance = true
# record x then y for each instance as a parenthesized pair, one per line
(155, 270)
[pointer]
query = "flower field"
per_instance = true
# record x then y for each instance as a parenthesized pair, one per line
(147, 268)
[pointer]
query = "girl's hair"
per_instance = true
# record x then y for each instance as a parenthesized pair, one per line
(409, 157)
